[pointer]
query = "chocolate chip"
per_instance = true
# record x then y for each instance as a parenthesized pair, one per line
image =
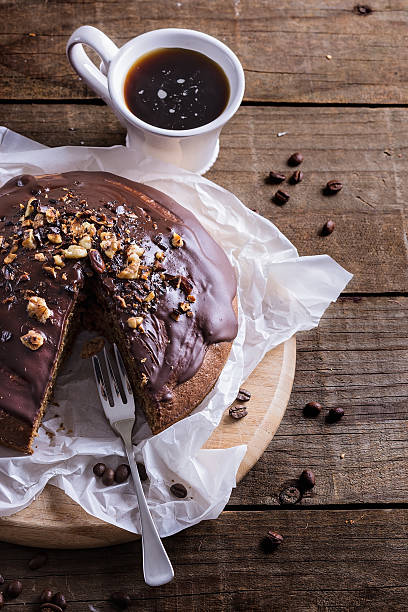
(38, 561)
(243, 395)
(333, 187)
(50, 607)
(312, 409)
(307, 480)
(120, 599)
(295, 159)
(273, 540)
(237, 412)
(5, 336)
(13, 589)
(335, 414)
(108, 477)
(328, 228)
(142, 471)
(59, 600)
(99, 469)
(96, 261)
(275, 178)
(2, 581)
(46, 596)
(296, 177)
(122, 473)
(281, 197)
(179, 490)
(362, 9)
(289, 496)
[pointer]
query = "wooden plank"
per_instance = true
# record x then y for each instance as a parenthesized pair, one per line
(356, 359)
(291, 51)
(364, 148)
(329, 560)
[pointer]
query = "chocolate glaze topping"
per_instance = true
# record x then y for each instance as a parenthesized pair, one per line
(164, 280)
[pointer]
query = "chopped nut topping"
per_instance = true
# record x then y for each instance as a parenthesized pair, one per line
(29, 240)
(86, 242)
(74, 251)
(38, 221)
(37, 307)
(133, 262)
(40, 257)
(50, 271)
(144, 379)
(160, 255)
(58, 261)
(51, 215)
(177, 240)
(134, 249)
(54, 238)
(134, 322)
(175, 315)
(149, 297)
(27, 223)
(121, 301)
(9, 258)
(191, 298)
(89, 228)
(109, 244)
(64, 277)
(30, 208)
(184, 306)
(32, 340)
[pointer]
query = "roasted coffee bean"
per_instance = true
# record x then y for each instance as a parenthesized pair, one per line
(96, 260)
(99, 469)
(2, 581)
(5, 336)
(1, 600)
(108, 477)
(274, 539)
(59, 600)
(179, 490)
(307, 480)
(38, 561)
(50, 607)
(361, 9)
(295, 159)
(335, 414)
(312, 409)
(46, 596)
(13, 589)
(142, 471)
(289, 496)
(296, 177)
(333, 187)
(243, 395)
(122, 473)
(328, 228)
(275, 178)
(238, 412)
(281, 197)
(120, 599)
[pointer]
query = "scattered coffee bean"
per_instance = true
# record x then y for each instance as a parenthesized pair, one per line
(362, 9)
(312, 409)
(2, 581)
(108, 477)
(296, 177)
(50, 607)
(13, 589)
(275, 178)
(335, 414)
(1, 600)
(328, 228)
(243, 395)
(281, 197)
(273, 539)
(179, 490)
(59, 600)
(46, 596)
(295, 159)
(307, 480)
(122, 473)
(238, 412)
(122, 600)
(99, 469)
(142, 471)
(289, 496)
(38, 561)
(333, 187)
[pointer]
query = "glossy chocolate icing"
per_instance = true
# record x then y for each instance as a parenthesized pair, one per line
(170, 346)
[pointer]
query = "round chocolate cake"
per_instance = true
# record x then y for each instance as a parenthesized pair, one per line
(143, 268)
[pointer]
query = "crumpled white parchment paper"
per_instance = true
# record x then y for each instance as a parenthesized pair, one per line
(279, 294)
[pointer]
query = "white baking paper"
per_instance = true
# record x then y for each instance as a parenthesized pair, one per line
(279, 294)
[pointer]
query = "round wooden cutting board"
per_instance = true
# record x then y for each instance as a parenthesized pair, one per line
(54, 520)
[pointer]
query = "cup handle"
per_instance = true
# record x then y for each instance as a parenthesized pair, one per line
(86, 69)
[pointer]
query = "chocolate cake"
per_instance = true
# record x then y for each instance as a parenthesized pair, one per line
(165, 289)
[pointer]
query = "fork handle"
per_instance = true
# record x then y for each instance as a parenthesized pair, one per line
(157, 569)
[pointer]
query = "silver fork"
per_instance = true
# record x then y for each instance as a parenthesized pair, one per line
(157, 569)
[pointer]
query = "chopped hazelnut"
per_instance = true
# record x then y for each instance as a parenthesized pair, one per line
(38, 221)
(86, 242)
(9, 258)
(64, 277)
(51, 215)
(50, 271)
(121, 301)
(29, 208)
(160, 255)
(177, 240)
(184, 306)
(58, 261)
(109, 244)
(130, 272)
(54, 238)
(37, 307)
(29, 240)
(175, 315)
(134, 249)
(74, 251)
(89, 228)
(40, 257)
(27, 223)
(191, 298)
(134, 322)
(149, 297)
(32, 340)
(144, 379)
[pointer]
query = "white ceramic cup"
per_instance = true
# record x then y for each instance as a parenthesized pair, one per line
(195, 149)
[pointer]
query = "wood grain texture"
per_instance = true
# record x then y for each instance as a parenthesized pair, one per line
(364, 148)
(357, 359)
(283, 46)
(54, 520)
(330, 560)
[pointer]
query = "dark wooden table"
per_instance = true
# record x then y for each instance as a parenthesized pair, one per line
(335, 78)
